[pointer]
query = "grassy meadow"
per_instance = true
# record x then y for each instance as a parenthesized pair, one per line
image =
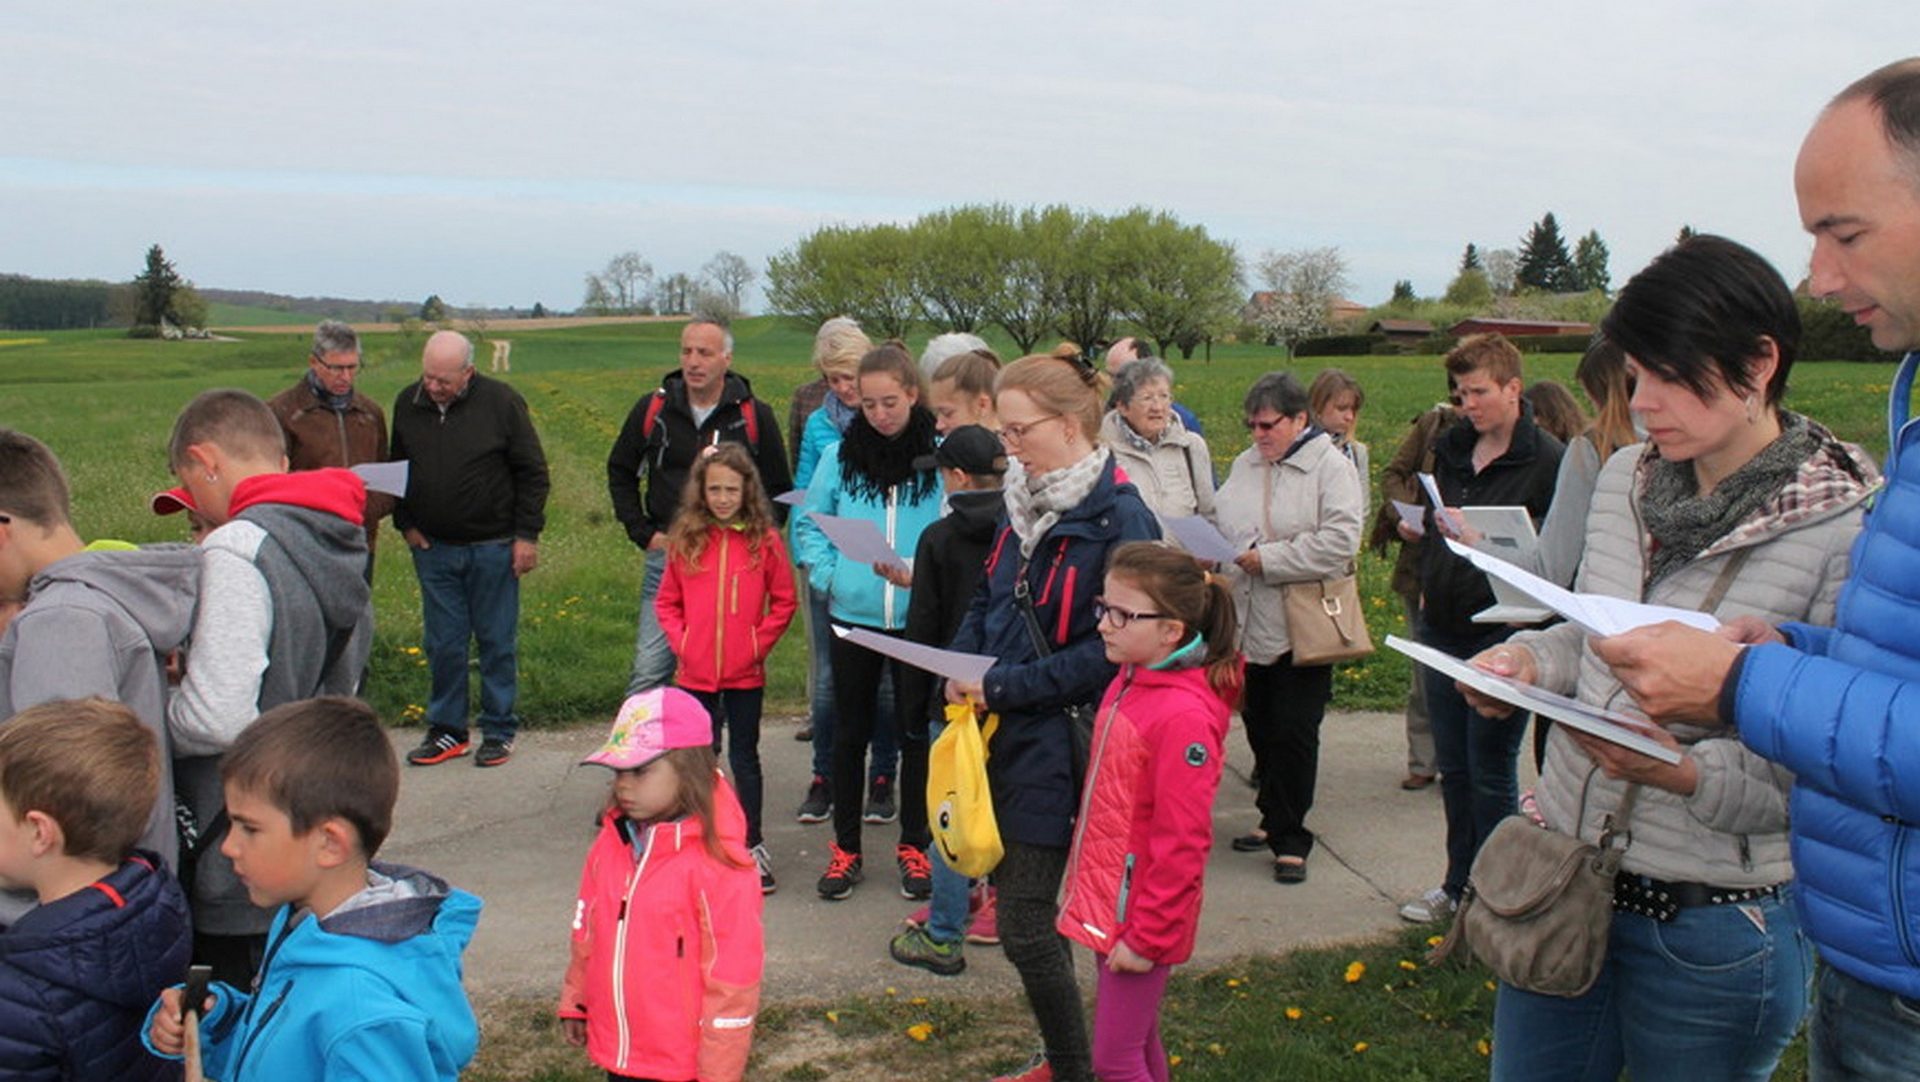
(105, 404)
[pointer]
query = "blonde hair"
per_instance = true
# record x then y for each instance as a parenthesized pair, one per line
(1062, 382)
(839, 345)
(695, 769)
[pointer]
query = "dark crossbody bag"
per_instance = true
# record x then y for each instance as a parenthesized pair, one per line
(1080, 715)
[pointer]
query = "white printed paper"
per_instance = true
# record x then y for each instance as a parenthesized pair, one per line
(1202, 539)
(1413, 515)
(858, 540)
(1597, 614)
(966, 668)
(1625, 730)
(1433, 491)
(387, 477)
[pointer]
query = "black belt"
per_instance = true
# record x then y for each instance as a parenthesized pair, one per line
(1663, 900)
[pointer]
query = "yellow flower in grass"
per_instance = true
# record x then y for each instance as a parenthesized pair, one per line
(1293, 1014)
(1435, 940)
(1217, 1049)
(1360, 1046)
(920, 1031)
(1408, 965)
(1173, 1060)
(1484, 1047)
(834, 1017)
(1355, 971)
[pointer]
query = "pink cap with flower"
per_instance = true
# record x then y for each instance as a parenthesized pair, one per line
(651, 724)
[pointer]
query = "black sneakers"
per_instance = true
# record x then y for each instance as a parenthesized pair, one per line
(843, 872)
(439, 746)
(493, 751)
(916, 873)
(818, 807)
(880, 805)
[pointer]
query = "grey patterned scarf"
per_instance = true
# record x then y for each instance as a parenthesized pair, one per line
(1035, 503)
(1683, 523)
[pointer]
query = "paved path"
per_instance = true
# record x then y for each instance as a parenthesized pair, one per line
(516, 836)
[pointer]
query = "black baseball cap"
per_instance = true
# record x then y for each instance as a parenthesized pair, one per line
(969, 448)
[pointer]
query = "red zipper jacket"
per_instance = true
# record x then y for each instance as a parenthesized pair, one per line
(1140, 845)
(723, 615)
(667, 949)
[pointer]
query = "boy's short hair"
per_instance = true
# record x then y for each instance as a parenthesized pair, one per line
(89, 765)
(320, 759)
(1492, 353)
(236, 421)
(33, 487)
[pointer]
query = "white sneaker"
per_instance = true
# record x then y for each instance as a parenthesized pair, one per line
(1429, 907)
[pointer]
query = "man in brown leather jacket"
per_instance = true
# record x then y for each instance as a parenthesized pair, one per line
(328, 423)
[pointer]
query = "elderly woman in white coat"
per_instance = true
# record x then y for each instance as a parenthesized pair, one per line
(1168, 462)
(1298, 502)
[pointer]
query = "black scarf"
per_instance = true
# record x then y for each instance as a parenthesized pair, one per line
(870, 463)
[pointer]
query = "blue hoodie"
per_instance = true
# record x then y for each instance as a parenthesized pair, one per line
(370, 991)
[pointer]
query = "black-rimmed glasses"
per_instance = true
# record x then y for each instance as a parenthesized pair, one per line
(1121, 617)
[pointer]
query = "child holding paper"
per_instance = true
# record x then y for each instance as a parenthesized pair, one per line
(725, 598)
(871, 474)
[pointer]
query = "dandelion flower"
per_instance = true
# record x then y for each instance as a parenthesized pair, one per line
(1407, 965)
(1355, 971)
(1217, 1048)
(1483, 1047)
(834, 1017)
(1360, 1046)
(920, 1031)
(1293, 1014)
(1435, 940)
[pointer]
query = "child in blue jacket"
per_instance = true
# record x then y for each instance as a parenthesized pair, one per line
(362, 972)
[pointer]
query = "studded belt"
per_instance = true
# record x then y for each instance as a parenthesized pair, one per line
(1663, 900)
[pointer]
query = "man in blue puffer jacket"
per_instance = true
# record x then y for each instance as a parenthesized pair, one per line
(1840, 706)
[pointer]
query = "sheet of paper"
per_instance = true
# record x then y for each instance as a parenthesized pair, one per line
(966, 668)
(387, 477)
(792, 497)
(858, 540)
(1622, 729)
(1414, 515)
(1200, 538)
(1597, 614)
(1433, 490)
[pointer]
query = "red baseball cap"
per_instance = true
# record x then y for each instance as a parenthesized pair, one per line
(172, 501)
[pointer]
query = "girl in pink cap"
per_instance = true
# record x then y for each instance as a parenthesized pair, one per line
(664, 979)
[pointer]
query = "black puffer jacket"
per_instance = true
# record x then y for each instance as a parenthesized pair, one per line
(77, 976)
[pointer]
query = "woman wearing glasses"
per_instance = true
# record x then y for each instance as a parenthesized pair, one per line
(1066, 509)
(1297, 501)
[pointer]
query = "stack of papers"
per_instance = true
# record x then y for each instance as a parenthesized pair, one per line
(1622, 729)
(1596, 614)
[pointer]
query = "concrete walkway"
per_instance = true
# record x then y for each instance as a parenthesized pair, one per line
(516, 836)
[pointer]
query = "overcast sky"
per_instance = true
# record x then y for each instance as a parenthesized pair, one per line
(494, 153)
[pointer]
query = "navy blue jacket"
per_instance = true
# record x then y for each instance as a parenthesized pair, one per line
(1030, 759)
(1840, 707)
(78, 974)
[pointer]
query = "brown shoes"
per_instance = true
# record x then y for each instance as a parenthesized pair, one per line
(1416, 781)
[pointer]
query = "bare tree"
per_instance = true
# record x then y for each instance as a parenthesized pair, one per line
(729, 275)
(1301, 288)
(622, 287)
(1503, 268)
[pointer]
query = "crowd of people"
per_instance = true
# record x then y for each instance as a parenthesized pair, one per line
(186, 775)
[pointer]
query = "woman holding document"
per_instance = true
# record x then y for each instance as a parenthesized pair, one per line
(1742, 509)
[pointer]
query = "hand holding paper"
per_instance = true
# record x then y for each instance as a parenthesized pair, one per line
(1597, 614)
(955, 666)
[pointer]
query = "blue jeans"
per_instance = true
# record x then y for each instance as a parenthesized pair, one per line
(470, 592)
(947, 913)
(653, 660)
(1477, 757)
(886, 751)
(736, 712)
(1861, 1032)
(1713, 995)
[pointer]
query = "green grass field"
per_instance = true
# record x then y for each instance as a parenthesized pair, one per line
(105, 404)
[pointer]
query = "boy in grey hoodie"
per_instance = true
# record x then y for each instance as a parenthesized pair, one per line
(91, 623)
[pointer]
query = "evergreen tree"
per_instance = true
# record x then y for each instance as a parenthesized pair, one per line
(539, 311)
(1544, 262)
(1469, 259)
(433, 310)
(154, 289)
(1402, 293)
(1590, 262)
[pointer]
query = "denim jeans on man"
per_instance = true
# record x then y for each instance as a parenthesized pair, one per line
(1477, 756)
(1861, 1032)
(1712, 996)
(470, 592)
(653, 660)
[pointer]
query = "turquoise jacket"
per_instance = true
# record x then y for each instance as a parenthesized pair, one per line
(369, 992)
(855, 594)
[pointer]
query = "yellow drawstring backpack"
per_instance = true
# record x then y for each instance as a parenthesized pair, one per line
(959, 805)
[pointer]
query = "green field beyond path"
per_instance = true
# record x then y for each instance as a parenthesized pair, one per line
(105, 404)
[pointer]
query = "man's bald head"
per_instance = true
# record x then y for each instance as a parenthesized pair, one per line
(1121, 354)
(446, 364)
